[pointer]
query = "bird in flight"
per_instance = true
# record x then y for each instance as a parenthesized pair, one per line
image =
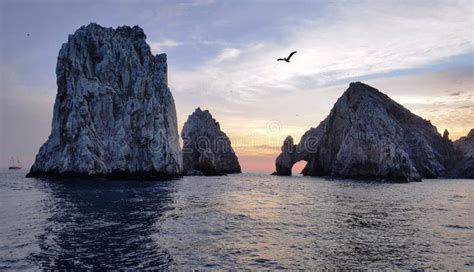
(287, 59)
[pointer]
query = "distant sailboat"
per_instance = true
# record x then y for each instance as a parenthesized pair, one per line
(14, 166)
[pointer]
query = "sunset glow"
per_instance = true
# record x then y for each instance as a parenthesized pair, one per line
(421, 56)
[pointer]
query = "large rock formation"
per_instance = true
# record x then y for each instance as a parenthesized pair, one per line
(369, 136)
(114, 115)
(465, 168)
(206, 149)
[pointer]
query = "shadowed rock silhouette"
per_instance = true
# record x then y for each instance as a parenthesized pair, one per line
(367, 135)
(206, 148)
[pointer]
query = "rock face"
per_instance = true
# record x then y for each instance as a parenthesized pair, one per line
(369, 136)
(114, 115)
(466, 144)
(206, 149)
(465, 168)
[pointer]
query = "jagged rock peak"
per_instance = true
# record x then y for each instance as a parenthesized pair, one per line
(287, 144)
(362, 88)
(358, 89)
(446, 135)
(206, 149)
(205, 117)
(114, 115)
(134, 31)
(367, 135)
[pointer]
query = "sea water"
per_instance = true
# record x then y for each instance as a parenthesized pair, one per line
(250, 220)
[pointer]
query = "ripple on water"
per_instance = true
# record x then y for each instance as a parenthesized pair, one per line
(458, 227)
(239, 221)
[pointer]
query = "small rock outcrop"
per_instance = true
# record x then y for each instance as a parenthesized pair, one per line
(367, 135)
(114, 115)
(465, 168)
(206, 149)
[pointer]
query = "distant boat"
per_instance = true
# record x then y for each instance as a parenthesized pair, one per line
(14, 166)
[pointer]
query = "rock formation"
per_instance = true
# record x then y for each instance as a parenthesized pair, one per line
(465, 168)
(369, 136)
(206, 149)
(466, 144)
(114, 115)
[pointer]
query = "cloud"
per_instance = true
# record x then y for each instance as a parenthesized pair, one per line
(335, 49)
(241, 83)
(234, 72)
(197, 3)
(158, 46)
(227, 54)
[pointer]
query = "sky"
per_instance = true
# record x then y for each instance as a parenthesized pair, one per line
(222, 57)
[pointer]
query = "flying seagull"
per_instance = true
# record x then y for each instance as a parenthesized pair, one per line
(288, 58)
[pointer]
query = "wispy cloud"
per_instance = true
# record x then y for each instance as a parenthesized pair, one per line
(196, 3)
(224, 58)
(227, 54)
(455, 94)
(342, 47)
(159, 46)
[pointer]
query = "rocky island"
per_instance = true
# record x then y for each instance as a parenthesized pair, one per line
(367, 135)
(206, 148)
(114, 115)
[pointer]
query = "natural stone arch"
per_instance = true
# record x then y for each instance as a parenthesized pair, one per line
(369, 136)
(290, 155)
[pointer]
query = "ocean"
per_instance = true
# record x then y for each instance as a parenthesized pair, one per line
(242, 221)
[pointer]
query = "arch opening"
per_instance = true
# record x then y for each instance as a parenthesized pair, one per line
(298, 167)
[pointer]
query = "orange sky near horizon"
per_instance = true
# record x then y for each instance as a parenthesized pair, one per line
(258, 152)
(419, 54)
(257, 142)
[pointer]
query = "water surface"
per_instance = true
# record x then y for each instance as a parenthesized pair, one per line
(253, 221)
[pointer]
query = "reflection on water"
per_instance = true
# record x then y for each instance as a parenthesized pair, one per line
(240, 221)
(104, 225)
(93, 224)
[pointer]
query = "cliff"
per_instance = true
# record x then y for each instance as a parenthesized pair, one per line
(465, 168)
(466, 144)
(206, 149)
(114, 115)
(367, 135)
